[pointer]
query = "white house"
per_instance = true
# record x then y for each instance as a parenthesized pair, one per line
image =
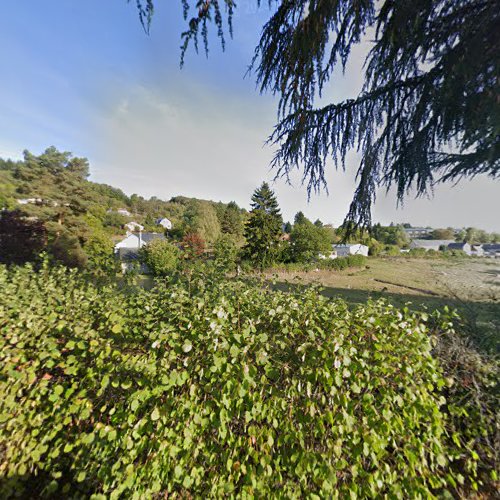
(133, 226)
(30, 201)
(477, 250)
(430, 244)
(127, 249)
(164, 222)
(350, 249)
(123, 211)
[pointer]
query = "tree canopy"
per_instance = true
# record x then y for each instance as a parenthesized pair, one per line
(428, 111)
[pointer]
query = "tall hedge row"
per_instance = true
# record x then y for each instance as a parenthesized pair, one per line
(209, 391)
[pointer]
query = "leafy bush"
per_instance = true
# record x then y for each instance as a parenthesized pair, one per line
(225, 252)
(391, 250)
(161, 257)
(215, 390)
(338, 264)
(356, 261)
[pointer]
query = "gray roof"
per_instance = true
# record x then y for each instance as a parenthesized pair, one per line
(148, 237)
(128, 254)
(457, 246)
(432, 243)
(491, 247)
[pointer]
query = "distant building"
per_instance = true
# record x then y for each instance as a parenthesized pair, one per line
(164, 222)
(430, 244)
(491, 250)
(463, 246)
(127, 250)
(133, 226)
(417, 232)
(123, 211)
(350, 249)
(477, 250)
(32, 201)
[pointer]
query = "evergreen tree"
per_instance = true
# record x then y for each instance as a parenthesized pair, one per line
(263, 229)
(232, 221)
(300, 218)
(287, 228)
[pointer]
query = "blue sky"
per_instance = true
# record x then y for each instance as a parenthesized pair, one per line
(83, 76)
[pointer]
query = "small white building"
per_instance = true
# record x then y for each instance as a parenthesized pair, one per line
(133, 226)
(164, 222)
(123, 211)
(477, 250)
(350, 249)
(127, 250)
(30, 201)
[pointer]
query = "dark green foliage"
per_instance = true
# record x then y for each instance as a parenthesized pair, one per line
(232, 220)
(342, 263)
(300, 218)
(264, 200)
(263, 229)
(287, 229)
(428, 110)
(21, 238)
(66, 248)
(223, 389)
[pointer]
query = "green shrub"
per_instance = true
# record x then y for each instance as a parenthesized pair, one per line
(392, 250)
(356, 261)
(225, 253)
(223, 389)
(161, 257)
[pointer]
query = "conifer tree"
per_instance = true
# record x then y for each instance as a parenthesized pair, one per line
(232, 222)
(300, 218)
(428, 111)
(264, 228)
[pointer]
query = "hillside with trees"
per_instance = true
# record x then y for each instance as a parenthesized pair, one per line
(76, 221)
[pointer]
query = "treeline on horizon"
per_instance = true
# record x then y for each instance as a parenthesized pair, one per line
(77, 221)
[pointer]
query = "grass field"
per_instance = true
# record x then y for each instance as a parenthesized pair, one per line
(472, 286)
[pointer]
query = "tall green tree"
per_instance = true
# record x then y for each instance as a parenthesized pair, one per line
(264, 227)
(201, 218)
(307, 241)
(232, 220)
(428, 110)
(443, 234)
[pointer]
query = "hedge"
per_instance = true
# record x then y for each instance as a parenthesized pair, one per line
(224, 389)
